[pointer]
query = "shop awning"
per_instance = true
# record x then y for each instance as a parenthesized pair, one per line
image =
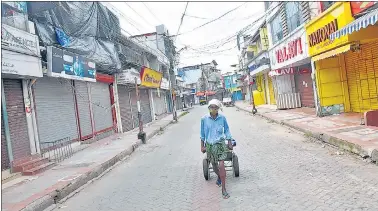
(260, 69)
(369, 19)
(333, 52)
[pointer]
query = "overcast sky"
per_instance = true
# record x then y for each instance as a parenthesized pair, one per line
(142, 17)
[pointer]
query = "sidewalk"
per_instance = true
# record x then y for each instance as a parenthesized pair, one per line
(340, 130)
(43, 190)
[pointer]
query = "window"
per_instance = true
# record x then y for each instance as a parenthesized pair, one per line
(293, 15)
(326, 4)
(267, 4)
(277, 33)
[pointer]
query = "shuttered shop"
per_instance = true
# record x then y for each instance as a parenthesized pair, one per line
(55, 110)
(16, 118)
(145, 106)
(5, 163)
(362, 75)
(159, 102)
(271, 91)
(83, 109)
(303, 82)
(124, 96)
(101, 107)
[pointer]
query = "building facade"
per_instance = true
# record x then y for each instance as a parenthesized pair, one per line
(345, 57)
(61, 92)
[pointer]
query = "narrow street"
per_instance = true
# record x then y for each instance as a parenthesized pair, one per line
(279, 170)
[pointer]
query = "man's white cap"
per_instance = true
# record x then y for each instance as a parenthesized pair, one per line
(215, 102)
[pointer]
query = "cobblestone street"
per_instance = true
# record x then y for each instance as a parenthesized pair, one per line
(280, 169)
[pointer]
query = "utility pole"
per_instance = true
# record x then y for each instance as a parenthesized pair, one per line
(141, 134)
(171, 83)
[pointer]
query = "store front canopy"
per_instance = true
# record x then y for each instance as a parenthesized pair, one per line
(331, 53)
(369, 19)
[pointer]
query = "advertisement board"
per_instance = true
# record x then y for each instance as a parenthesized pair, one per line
(64, 64)
(150, 78)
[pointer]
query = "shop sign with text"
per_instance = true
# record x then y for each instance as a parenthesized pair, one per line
(19, 41)
(319, 29)
(285, 71)
(128, 76)
(150, 78)
(291, 50)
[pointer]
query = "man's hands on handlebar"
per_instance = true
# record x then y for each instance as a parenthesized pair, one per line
(203, 148)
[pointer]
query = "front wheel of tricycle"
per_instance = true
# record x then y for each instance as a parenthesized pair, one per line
(205, 165)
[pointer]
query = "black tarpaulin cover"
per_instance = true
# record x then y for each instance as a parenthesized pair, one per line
(85, 28)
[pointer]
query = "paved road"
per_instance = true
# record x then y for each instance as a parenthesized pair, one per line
(280, 170)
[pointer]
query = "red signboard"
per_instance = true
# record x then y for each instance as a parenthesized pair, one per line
(104, 78)
(281, 72)
(359, 6)
(290, 51)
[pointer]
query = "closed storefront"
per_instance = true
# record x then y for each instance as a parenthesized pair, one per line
(160, 103)
(271, 91)
(303, 83)
(19, 63)
(179, 102)
(101, 106)
(83, 109)
(16, 118)
(362, 76)
(345, 58)
(124, 97)
(5, 163)
(145, 106)
(259, 92)
(55, 110)
(291, 71)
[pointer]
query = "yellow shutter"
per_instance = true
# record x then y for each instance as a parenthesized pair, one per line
(271, 91)
(362, 74)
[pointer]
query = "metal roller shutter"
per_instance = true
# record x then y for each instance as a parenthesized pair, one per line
(160, 102)
(125, 108)
(271, 92)
(362, 75)
(101, 106)
(145, 106)
(5, 163)
(55, 110)
(179, 104)
(134, 107)
(304, 84)
(83, 107)
(17, 118)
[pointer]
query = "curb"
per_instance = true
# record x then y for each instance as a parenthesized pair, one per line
(326, 138)
(55, 196)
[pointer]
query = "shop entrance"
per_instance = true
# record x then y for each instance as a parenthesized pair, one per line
(362, 76)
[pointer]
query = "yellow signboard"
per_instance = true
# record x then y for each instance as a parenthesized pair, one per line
(319, 29)
(264, 38)
(150, 78)
(252, 48)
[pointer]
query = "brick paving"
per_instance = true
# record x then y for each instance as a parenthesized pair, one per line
(344, 127)
(82, 165)
(280, 169)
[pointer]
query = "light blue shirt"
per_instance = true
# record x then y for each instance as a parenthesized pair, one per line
(214, 130)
